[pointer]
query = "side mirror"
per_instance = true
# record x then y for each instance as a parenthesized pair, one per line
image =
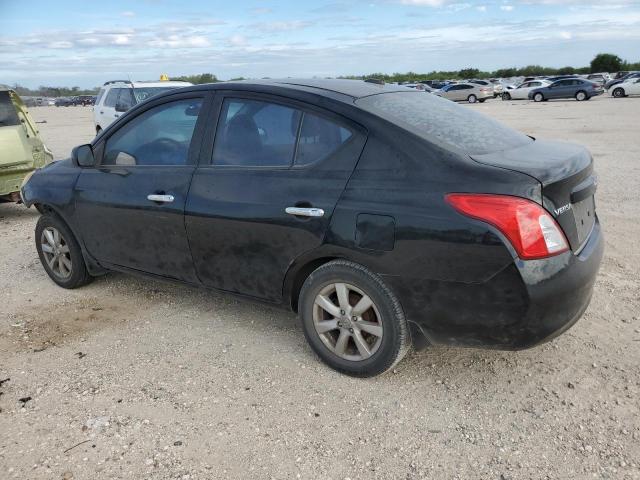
(82, 156)
(121, 107)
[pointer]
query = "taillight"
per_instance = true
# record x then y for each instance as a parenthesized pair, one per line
(532, 231)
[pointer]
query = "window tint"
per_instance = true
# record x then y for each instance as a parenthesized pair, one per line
(466, 87)
(112, 97)
(160, 136)
(318, 139)
(8, 115)
(535, 84)
(437, 119)
(255, 133)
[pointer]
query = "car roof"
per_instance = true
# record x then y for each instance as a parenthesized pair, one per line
(350, 88)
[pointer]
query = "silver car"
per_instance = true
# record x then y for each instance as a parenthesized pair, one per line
(466, 92)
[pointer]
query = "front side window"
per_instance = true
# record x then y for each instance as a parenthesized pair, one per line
(125, 99)
(318, 139)
(159, 136)
(112, 97)
(254, 133)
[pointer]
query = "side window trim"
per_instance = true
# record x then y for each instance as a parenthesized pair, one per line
(196, 146)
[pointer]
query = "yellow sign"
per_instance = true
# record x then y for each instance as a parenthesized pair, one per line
(164, 77)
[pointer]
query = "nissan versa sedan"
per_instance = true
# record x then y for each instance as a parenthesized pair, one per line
(568, 88)
(385, 217)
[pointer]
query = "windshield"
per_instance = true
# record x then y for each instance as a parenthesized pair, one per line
(141, 94)
(8, 115)
(439, 120)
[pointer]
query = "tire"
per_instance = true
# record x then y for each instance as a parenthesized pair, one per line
(506, 96)
(385, 316)
(618, 93)
(581, 96)
(538, 97)
(472, 98)
(71, 273)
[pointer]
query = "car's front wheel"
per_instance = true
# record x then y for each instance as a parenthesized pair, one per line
(472, 99)
(60, 253)
(506, 96)
(581, 96)
(352, 320)
(538, 97)
(619, 93)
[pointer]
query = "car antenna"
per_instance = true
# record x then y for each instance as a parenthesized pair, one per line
(133, 89)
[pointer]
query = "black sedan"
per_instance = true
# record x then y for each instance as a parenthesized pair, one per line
(385, 217)
(568, 88)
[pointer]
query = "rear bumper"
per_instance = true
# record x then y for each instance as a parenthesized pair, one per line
(526, 304)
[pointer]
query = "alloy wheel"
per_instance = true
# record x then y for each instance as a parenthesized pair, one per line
(347, 321)
(56, 252)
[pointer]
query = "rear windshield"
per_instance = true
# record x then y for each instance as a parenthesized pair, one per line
(8, 115)
(443, 121)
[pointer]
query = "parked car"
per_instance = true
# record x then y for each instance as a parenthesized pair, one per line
(495, 86)
(630, 87)
(64, 102)
(625, 78)
(567, 88)
(436, 84)
(385, 217)
(598, 78)
(521, 92)
(117, 96)
(21, 148)
(86, 100)
(465, 92)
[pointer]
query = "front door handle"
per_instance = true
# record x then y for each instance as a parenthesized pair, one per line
(305, 212)
(160, 198)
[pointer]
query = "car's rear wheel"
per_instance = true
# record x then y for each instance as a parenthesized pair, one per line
(60, 253)
(581, 96)
(619, 93)
(506, 96)
(538, 97)
(352, 320)
(472, 98)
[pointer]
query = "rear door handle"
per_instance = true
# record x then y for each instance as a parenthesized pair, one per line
(305, 212)
(160, 198)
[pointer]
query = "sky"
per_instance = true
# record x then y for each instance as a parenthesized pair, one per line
(83, 43)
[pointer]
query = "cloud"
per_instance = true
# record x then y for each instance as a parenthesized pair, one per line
(128, 14)
(284, 26)
(238, 40)
(424, 3)
(566, 35)
(260, 11)
(481, 8)
(507, 8)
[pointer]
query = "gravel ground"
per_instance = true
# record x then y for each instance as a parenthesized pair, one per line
(130, 378)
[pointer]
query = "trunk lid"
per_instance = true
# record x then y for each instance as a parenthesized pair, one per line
(565, 172)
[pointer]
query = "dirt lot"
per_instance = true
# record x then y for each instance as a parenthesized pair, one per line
(162, 381)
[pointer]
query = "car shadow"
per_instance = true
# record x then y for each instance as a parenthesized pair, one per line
(13, 211)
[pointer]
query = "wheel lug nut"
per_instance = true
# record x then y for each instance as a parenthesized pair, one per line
(354, 318)
(341, 312)
(351, 330)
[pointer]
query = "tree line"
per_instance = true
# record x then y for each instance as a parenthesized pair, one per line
(603, 62)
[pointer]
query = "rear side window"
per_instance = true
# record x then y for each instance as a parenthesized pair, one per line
(253, 133)
(8, 115)
(440, 120)
(159, 136)
(112, 97)
(318, 139)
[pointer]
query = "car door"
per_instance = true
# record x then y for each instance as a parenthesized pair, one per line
(107, 111)
(266, 196)
(130, 206)
(634, 87)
